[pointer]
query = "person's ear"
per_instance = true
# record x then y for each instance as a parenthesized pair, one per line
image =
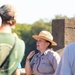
(48, 43)
(13, 24)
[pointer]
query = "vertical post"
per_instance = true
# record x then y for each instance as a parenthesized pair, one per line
(63, 31)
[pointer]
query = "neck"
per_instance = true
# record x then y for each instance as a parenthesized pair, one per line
(42, 51)
(5, 29)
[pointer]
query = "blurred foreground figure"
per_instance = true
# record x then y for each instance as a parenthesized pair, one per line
(11, 47)
(67, 62)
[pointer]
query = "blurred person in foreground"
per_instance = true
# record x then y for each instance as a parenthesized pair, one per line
(46, 60)
(67, 62)
(11, 47)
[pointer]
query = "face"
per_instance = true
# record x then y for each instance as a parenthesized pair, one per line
(42, 44)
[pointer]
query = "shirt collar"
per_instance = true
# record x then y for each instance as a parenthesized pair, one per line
(48, 50)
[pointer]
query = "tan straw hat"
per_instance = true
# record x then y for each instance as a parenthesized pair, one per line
(45, 35)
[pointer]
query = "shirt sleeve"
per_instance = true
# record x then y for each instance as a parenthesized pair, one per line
(64, 65)
(55, 61)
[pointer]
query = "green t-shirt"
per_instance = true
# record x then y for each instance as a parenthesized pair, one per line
(6, 42)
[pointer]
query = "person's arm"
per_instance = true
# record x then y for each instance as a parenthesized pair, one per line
(27, 66)
(17, 72)
(55, 60)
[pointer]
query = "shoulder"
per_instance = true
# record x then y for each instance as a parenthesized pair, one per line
(56, 55)
(69, 49)
(71, 45)
(53, 55)
(20, 43)
(19, 48)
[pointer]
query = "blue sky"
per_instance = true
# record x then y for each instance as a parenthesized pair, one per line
(30, 11)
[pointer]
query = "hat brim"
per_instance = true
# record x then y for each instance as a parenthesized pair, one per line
(36, 37)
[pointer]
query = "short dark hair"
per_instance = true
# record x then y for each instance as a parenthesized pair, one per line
(7, 13)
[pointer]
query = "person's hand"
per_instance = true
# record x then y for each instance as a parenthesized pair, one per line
(17, 72)
(30, 54)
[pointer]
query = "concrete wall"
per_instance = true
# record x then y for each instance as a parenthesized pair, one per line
(63, 31)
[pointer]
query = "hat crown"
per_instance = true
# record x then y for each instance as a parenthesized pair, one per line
(46, 34)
